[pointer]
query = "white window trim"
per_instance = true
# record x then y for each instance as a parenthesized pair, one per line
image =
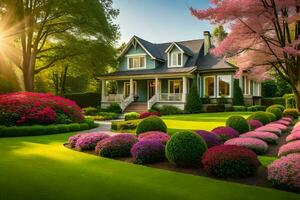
(170, 59)
(136, 55)
(169, 86)
(159, 84)
(230, 86)
(135, 88)
(248, 82)
(204, 86)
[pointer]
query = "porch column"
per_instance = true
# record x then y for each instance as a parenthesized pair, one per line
(184, 88)
(156, 87)
(131, 88)
(103, 90)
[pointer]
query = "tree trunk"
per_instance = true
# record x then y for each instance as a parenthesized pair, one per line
(64, 79)
(28, 79)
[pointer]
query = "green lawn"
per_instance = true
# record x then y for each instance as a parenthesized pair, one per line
(41, 167)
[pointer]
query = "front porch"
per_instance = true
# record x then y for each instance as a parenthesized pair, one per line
(153, 90)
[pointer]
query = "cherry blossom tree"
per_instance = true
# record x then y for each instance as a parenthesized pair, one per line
(264, 37)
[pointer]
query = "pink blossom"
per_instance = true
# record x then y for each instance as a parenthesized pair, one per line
(268, 137)
(256, 145)
(89, 141)
(293, 136)
(291, 147)
(277, 125)
(271, 129)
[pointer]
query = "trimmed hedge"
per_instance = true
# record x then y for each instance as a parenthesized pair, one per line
(152, 123)
(238, 123)
(238, 97)
(239, 108)
(256, 108)
(169, 110)
(281, 107)
(274, 100)
(124, 125)
(215, 108)
(272, 117)
(88, 99)
(291, 112)
(185, 149)
(131, 116)
(260, 116)
(276, 111)
(35, 130)
(193, 101)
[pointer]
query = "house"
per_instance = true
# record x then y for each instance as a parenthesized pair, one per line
(150, 73)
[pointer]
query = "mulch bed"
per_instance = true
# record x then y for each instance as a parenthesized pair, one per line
(259, 179)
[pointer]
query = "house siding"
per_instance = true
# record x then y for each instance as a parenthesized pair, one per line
(123, 65)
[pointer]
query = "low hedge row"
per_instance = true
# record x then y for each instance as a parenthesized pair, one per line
(35, 130)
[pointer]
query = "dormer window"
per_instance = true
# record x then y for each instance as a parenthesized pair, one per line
(176, 59)
(136, 62)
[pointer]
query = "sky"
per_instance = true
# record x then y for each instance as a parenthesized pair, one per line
(160, 20)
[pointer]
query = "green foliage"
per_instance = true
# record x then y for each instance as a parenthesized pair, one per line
(238, 123)
(125, 125)
(219, 33)
(215, 108)
(256, 108)
(8, 119)
(90, 122)
(193, 101)
(90, 111)
(169, 110)
(291, 112)
(261, 116)
(151, 123)
(84, 100)
(281, 107)
(276, 111)
(238, 97)
(239, 108)
(290, 100)
(74, 127)
(132, 116)
(104, 116)
(185, 148)
(269, 88)
(272, 117)
(205, 100)
(61, 118)
(84, 126)
(115, 108)
(222, 100)
(274, 100)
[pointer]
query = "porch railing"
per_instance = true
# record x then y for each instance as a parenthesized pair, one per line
(152, 101)
(126, 102)
(114, 98)
(170, 97)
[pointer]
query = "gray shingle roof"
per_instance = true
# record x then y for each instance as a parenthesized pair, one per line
(210, 62)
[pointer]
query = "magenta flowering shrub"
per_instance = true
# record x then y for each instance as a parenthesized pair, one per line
(287, 119)
(73, 139)
(268, 137)
(210, 138)
(148, 151)
(148, 114)
(277, 125)
(271, 129)
(226, 133)
(284, 122)
(116, 146)
(154, 135)
(256, 145)
(88, 141)
(254, 124)
(289, 148)
(295, 129)
(38, 108)
(284, 173)
(293, 136)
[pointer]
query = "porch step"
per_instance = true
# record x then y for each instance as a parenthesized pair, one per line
(136, 107)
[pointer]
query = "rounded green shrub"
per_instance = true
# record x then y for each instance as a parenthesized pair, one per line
(74, 127)
(291, 112)
(281, 107)
(152, 123)
(272, 117)
(185, 149)
(51, 129)
(276, 111)
(132, 116)
(63, 128)
(238, 123)
(84, 126)
(260, 116)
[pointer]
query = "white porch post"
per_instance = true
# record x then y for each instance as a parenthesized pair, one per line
(184, 88)
(103, 90)
(156, 87)
(131, 88)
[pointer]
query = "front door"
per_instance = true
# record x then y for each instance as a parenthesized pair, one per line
(151, 88)
(127, 88)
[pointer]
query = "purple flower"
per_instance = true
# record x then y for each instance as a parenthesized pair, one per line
(210, 138)
(293, 136)
(291, 147)
(256, 145)
(88, 141)
(225, 133)
(268, 137)
(254, 124)
(73, 139)
(116, 146)
(148, 151)
(154, 135)
(285, 172)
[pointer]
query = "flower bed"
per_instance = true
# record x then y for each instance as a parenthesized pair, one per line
(148, 114)
(277, 125)
(284, 122)
(285, 172)
(88, 141)
(289, 148)
(293, 136)
(258, 146)
(154, 135)
(254, 124)
(275, 130)
(226, 133)
(268, 137)
(210, 138)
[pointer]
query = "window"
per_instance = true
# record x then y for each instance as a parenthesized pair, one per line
(246, 86)
(256, 89)
(136, 62)
(175, 86)
(224, 85)
(176, 60)
(209, 86)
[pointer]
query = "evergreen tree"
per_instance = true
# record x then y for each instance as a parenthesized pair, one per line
(193, 102)
(238, 97)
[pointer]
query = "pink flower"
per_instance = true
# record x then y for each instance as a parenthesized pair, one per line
(256, 145)
(89, 141)
(289, 148)
(268, 137)
(154, 135)
(254, 124)
(271, 129)
(293, 136)
(284, 122)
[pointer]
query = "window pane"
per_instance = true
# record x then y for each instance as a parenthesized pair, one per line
(224, 85)
(179, 59)
(174, 59)
(209, 86)
(142, 62)
(130, 62)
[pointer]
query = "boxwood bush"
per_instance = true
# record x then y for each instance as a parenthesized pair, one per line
(185, 149)
(169, 110)
(290, 112)
(276, 111)
(239, 108)
(272, 117)
(256, 108)
(260, 116)
(152, 123)
(125, 125)
(131, 116)
(281, 107)
(238, 123)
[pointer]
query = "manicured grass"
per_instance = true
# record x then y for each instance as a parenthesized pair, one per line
(204, 121)
(42, 168)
